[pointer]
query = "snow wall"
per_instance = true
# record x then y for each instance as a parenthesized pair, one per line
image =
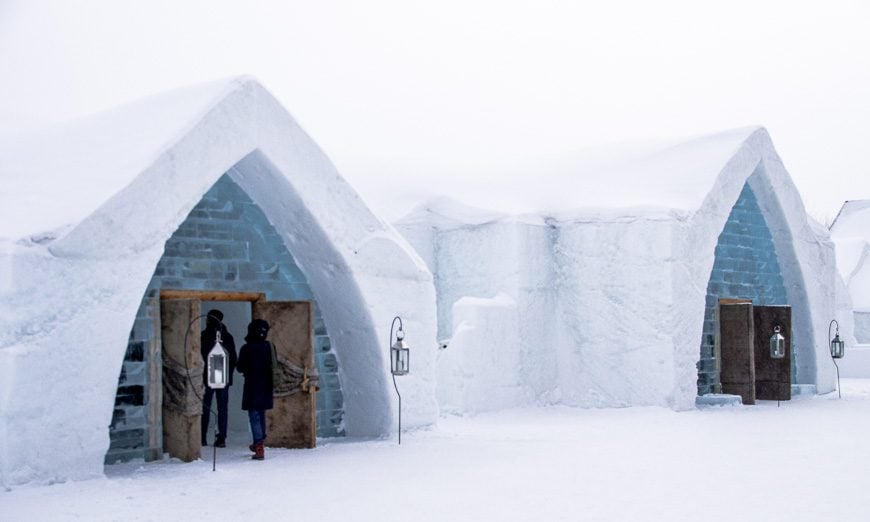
(851, 234)
(605, 308)
(70, 296)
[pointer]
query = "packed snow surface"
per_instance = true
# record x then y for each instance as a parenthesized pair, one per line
(805, 460)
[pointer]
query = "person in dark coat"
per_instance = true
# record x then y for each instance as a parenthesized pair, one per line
(213, 325)
(255, 363)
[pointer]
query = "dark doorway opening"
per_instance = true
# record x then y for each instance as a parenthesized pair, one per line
(743, 349)
(292, 422)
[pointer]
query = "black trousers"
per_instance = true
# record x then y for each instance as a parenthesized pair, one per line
(223, 398)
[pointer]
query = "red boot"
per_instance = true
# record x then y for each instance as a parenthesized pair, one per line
(259, 452)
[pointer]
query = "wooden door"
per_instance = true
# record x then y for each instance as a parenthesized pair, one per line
(182, 379)
(772, 376)
(737, 347)
(291, 423)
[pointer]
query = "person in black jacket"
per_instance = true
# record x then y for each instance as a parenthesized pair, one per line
(255, 363)
(214, 323)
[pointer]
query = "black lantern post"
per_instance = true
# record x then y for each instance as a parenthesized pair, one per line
(838, 350)
(777, 351)
(400, 362)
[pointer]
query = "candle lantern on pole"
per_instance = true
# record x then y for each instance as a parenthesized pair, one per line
(217, 365)
(777, 351)
(400, 361)
(838, 350)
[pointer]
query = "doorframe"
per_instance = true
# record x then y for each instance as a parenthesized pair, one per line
(755, 353)
(211, 295)
(155, 388)
(717, 339)
(169, 294)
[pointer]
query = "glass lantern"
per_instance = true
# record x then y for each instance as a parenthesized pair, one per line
(777, 344)
(400, 355)
(217, 365)
(838, 347)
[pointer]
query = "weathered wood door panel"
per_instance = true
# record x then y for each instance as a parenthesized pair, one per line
(772, 376)
(182, 406)
(737, 370)
(292, 421)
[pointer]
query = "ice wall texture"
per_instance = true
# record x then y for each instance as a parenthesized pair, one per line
(616, 296)
(524, 301)
(745, 267)
(227, 244)
(495, 296)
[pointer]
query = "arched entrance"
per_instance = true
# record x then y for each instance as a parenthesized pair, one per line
(226, 245)
(755, 264)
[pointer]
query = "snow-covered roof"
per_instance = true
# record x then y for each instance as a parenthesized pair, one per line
(648, 181)
(853, 220)
(56, 177)
(446, 213)
(677, 176)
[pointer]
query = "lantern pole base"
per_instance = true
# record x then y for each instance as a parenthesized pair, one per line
(400, 409)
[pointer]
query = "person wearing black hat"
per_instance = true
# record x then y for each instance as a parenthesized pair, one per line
(213, 325)
(255, 363)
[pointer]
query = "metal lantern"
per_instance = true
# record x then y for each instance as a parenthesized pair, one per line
(217, 365)
(400, 355)
(777, 344)
(838, 347)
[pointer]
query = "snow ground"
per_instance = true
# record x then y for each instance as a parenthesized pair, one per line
(804, 461)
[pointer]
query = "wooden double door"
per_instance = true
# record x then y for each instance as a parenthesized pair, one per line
(746, 366)
(292, 421)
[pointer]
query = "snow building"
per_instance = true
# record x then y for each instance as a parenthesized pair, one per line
(619, 304)
(851, 234)
(119, 231)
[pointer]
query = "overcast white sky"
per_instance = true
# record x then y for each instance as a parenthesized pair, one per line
(410, 98)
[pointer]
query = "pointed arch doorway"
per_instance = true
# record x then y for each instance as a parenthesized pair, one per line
(226, 244)
(751, 251)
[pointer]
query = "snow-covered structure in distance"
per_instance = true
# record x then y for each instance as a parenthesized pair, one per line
(615, 305)
(851, 234)
(212, 187)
